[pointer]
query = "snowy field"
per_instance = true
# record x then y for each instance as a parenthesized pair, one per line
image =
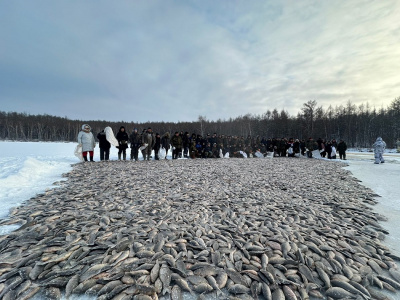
(29, 168)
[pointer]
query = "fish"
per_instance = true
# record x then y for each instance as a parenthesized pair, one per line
(176, 293)
(203, 288)
(338, 293)
(238, 289)
(165, 276)
(219, 228)
(278, 294)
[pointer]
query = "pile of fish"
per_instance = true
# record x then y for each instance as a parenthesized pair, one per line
(200, 229)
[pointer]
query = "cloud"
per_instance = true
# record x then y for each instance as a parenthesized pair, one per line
(176, 60)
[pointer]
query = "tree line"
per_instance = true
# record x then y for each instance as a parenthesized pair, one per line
(358, 126)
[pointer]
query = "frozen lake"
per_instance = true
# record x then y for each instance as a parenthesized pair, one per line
(29, 168)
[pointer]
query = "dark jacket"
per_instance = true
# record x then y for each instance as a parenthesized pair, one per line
(149, 139)
(103, 143)
(135, 139)
(342, 147)
(166, 141)
(296, 147)
(311, 145)
(186, 140)
(157, 144)
(176, 141)
(122, 138)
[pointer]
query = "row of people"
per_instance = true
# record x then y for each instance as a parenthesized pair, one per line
(195, 146)
(212, 146)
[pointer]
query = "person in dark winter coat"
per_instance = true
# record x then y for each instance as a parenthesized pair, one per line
(311, 146)
(122, 138)
(149, 139)
(104, 146)
(199, 148)
(86, 139)
(296, 147)
(186, 144)
(319, 142)
(323, 147)
(213, 139)
(303, 147)
(281, 147)
(342, 147)
(181, 134)
(193, 149)
(207, 153)
(177, 144)
(135, 140)
(328, 149)
(166, 143)
(157, 146)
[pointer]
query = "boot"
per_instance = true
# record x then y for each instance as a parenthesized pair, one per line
(144, 156)
(119, 156)
(91, 158)
(124, 155)
(85, 158)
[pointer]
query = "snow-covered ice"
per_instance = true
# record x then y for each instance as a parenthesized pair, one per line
(29, 168)
(384, 180)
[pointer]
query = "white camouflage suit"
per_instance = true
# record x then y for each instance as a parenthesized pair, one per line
(379, 147)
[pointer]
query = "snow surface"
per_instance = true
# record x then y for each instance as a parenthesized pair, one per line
(29, 168)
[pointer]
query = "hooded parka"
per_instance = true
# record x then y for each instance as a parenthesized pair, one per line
(86, 138)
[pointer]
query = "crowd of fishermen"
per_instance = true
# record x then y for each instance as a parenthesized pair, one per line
(186, 145)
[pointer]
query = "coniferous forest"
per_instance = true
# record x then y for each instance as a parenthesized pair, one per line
(358, 126)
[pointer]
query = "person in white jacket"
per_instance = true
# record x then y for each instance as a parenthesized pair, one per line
(379, 147)
(86, 139)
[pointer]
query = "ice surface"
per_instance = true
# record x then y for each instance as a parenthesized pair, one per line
(384, 180)
(29, 168)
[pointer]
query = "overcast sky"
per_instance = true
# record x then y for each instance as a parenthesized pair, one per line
(175, 60)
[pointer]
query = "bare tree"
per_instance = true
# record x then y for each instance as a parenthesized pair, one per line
(308, 110)
(357, 125)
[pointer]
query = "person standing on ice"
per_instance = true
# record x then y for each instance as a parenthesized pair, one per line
(165, 143)
(177, 144)
(123, 139)
(86, 140)
(148, 139)
(310, 146)
(342, 147)
(379, 147)
(135, 140)
(104, 145)
(157, 146)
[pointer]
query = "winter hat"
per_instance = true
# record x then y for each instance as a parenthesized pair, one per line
(84, 126)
